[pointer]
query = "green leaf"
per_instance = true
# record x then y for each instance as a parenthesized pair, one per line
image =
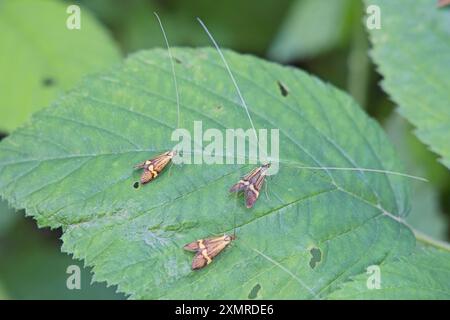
(422, 275)
(3, 294)
(313, 27)
(136, 27)
(72, 166)
(41, 58)
(411, 51)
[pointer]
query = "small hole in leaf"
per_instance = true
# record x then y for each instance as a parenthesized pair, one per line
(136, 185)
(283, 89)
(48, 82)
(219, 107)
(177, 60)
(254, 292)
(316, 257)
(2, 135)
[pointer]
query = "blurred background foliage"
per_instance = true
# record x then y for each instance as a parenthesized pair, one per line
(324, 37)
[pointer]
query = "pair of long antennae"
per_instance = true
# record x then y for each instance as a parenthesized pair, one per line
(176, 83)
(244, 105)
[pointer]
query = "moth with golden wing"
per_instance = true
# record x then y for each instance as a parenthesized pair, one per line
(251, 184)
(207, 249)
(153, 167)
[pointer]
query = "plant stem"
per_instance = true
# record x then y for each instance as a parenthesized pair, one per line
(430, 241)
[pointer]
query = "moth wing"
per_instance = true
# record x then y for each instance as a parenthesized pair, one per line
(214, 246)
(193, 246)
(251, 174)
(257, 176)
(146, 176)
(199, 261)
(259, 182)
(250, 197)
(160, 162)
(252, 193)
(238, 186)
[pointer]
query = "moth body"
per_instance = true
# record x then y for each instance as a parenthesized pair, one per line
(153, 167)
(251, 184)
(207, 249)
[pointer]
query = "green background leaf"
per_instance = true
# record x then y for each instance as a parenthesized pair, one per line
(313, 230)
(313, 27)
(241, 25)
(7, 217)
(411, 51)
(33, 268)
(40, 58)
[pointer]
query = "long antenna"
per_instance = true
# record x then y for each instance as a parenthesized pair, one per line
(234, 228)
(173, 69)
(234, 218)
(244, 104)
(395, 173)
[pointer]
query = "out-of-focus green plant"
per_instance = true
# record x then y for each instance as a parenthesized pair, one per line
(412, 53)
(32, 267)
(40, 57)
(7, 217)
(314, 27)
(247, 26)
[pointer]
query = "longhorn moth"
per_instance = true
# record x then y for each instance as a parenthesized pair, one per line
(251, 191)
(207, 249)
(251, 184)
(153, 167)
(253, 181)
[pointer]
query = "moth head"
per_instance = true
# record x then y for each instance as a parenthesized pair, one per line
(229, 238)
(265, 167)
(171, 153)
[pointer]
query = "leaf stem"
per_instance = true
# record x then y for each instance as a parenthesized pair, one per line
(422, 237)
